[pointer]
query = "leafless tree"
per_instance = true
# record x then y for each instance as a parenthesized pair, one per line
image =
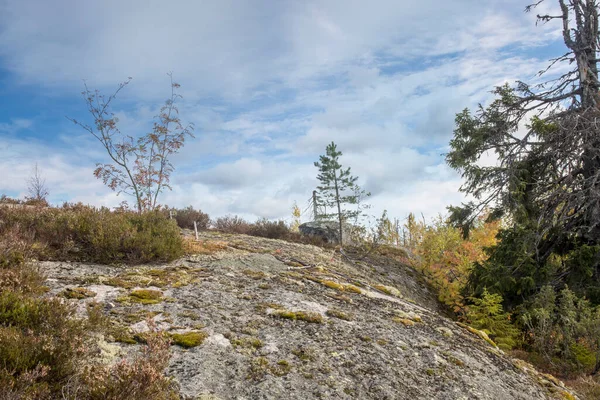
(36, 186)
(140, 166)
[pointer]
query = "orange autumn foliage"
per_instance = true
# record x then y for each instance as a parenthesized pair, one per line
(445, 258)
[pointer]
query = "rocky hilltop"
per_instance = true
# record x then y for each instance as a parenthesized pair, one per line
(255, 318)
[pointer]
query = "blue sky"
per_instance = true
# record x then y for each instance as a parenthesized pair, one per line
(267, 84)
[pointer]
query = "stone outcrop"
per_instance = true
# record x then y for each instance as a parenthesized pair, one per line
(279, 320)
(328, 230)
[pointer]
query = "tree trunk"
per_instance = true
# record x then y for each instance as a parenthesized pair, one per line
(584, 44)
(337, 200)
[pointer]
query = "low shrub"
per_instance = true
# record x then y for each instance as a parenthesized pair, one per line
(233, 224)
(185, 218)
(38, 336)
(140, 379)
(265, 228)
(48, 353)
(270, 229)
(564, 330)
(82, 233)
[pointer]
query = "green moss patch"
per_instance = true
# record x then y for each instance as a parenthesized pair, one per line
(389, 290)
(339, 314)
(188, 340)
(78, 293)
(306, 316)
(353, 289)
(479, 333)
(256, 275)
(333, 285)
(260, 367)
(189, 315)
(142, 296)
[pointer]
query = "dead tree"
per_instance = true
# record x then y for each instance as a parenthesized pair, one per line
(36, 186)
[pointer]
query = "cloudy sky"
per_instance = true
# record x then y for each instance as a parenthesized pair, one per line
(267, 84)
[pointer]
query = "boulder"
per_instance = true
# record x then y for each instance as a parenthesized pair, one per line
(328, 230)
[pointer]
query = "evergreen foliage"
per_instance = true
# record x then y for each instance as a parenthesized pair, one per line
(337, 187)
(487, 314)
(546, 184)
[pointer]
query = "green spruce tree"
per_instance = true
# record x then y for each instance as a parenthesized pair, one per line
(337, 187)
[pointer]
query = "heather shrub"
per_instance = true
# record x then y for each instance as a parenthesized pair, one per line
(139, 379)
(267, 229)
(270, 229)
(77, 232)
(185, 218)
(46, 352)
(233, 224)
(38, 335)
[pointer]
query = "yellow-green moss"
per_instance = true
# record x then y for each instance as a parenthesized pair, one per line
(306, 316)
(477, 332)
(304, 353)
(247, 342)
(259, 367)
(189, 339)
(333, 285)
(282, 368)
(189, 314)
(125, 339)
(410, 315)
(339, 314)
(145, 296)
(567, 395)
(353, 289)
(78, 293)
(120, 282)
(404, 321)
(389, 290)
(137, 316)
(256, 275)
(294, 264)
(382, 342)
(264, 286)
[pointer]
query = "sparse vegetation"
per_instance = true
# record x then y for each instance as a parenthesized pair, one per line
(186, 217)
(47, 352)
(78, 293)
(306, 316)
(77, 232)
(339, 314)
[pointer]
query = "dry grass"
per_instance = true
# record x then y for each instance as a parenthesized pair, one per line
(206, 247)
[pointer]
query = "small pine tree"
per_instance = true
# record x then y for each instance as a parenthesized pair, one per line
(337, 186)
(486, 313)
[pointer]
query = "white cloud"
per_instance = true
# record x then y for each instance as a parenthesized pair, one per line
(268, 84)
